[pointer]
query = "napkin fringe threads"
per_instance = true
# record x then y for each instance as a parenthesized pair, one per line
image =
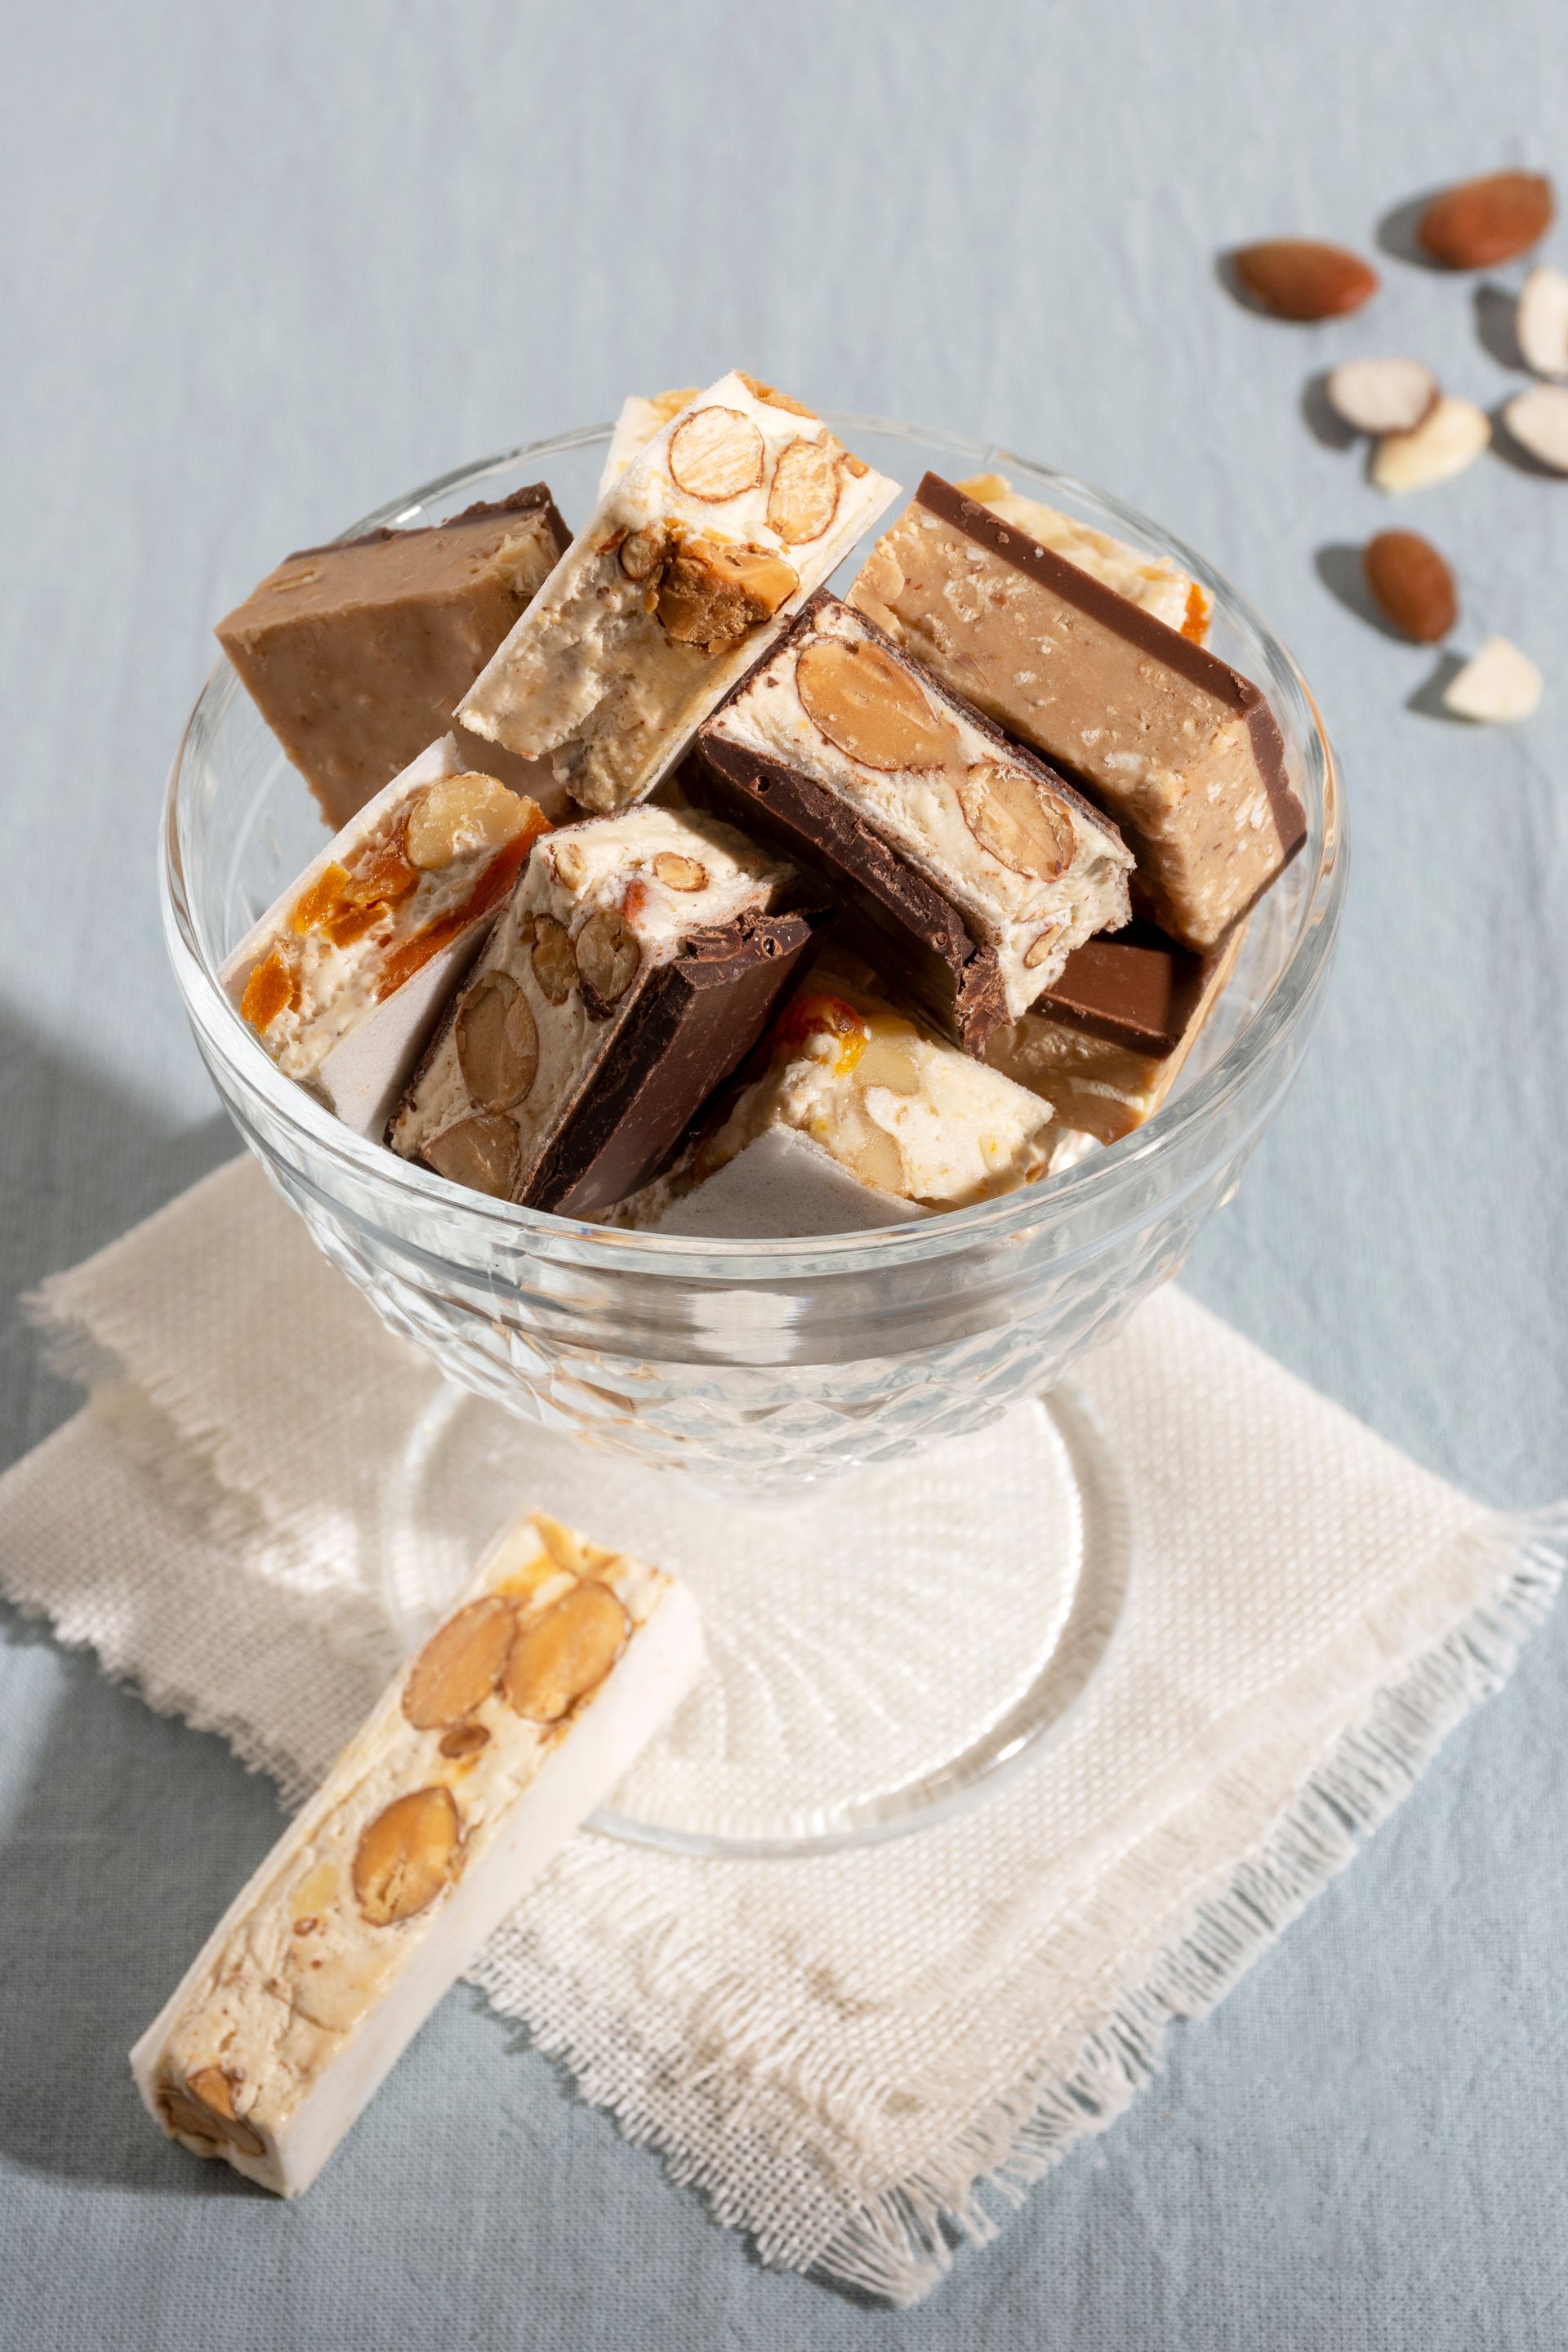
(902, 2244)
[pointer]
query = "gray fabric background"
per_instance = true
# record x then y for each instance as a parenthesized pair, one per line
(264, 266)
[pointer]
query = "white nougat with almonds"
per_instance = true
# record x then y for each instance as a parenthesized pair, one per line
(519, 1715)
(696, 557)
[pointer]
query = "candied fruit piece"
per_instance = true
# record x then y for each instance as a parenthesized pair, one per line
(487, 891)
(817, 1014)
(273, 988)
(315, 907)
(1195, 619)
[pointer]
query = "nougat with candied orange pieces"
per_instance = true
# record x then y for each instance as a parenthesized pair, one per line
(526, 1705)
(343, 978)
(697, 556)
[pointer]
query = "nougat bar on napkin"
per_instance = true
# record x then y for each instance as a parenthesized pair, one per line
(638, 962)
(696, 556)
(1108, 1040)
(516, 1718)
(344, 975)
(1181, 750)
(357, 653)
(978, 869)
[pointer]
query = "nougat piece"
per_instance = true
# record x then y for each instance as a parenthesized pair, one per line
(977, 866)
(1181, 750)
(1105, 1045)
(695, 559)
(518, 1716)
(1152, 582)
(637, 963)
(894, 1120)
(343, 977)
(357, 654)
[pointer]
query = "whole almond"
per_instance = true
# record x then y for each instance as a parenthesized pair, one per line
(1412, 585)
(1480, 221)
(1298, 278)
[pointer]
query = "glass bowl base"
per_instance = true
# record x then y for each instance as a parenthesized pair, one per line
(882, 1651)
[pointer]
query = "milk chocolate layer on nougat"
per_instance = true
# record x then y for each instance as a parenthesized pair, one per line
(1183, 751)
(357, 654)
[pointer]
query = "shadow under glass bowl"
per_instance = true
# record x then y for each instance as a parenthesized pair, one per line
(763, 1369)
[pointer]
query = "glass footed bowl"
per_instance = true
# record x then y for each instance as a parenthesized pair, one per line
(911, 1545)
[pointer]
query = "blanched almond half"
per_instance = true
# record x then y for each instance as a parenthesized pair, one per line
(565, 1653)
(1380, 396)
(554, 963)
(1019, 820)
(1484, 221)
(408, 1856)
(1540, 323)
(1300, 277)
(1538, 420)
(1499, 686)
(460, 1664)
(497, 1042)
(715, 454)
(803, 497)
(607, 959)
(460, 815)
(679, 873)
(870, 707)
(482, 1152)
(1412, 584)
(1441, 446)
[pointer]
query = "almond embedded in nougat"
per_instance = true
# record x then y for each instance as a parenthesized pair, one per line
(565, 1653)
(1300, 277)
(481, 1152)
(870, 707)
(498, 1043)
(1018, 819)
(460, 1664)
(464, 812)
(803, 497)
(408, 1856)
(1413, 585)
(607, 958)
(1481, 222)
(715, 454)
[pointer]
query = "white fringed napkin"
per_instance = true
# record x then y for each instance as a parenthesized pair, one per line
(862, 2059)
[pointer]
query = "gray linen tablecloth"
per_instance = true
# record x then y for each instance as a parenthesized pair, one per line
(266, 265)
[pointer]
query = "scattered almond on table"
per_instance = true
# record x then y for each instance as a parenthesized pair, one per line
(1483, 221)
(1296, 277)
(1412, 585)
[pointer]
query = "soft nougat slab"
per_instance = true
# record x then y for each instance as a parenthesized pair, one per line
(1105, 1045)
(1184, 752)
(519, 1715)
(980, 868)
(356, 654)
(343, 976)
(696, 557)
(638, 962)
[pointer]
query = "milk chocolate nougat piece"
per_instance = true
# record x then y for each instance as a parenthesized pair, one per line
(343, 979)
(638, 962)
(697, 556)
(854, 1115)
(519, 1715)
(978, 867)
(1152, 582)
(1105, 1044)
(357, 654)
(1184, 752)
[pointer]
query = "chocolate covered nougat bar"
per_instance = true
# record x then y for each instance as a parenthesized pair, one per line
(1106, 1042)
(979, 868)
(638, 962)
(1151, 582)
(343, 977)
(356, 654)
(519, 1715)
(864, 1113)
(696, 557)
(1184, 752)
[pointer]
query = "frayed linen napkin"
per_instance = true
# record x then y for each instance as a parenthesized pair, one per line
(863, 2058)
